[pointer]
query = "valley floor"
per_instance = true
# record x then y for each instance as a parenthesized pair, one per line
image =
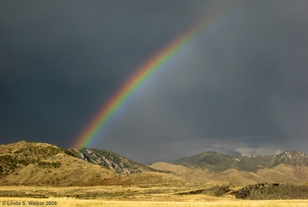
(117, 196)
(192, 201)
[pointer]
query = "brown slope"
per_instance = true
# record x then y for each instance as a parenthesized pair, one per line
(33, 163)
(192, 175)
(197, 175)
(238, 177)
(285, 173)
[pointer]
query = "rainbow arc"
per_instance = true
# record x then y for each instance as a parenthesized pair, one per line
(100, 121)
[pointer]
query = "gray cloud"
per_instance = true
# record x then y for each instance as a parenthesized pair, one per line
(240, 86)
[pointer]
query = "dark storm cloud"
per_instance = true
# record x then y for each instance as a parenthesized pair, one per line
(62, 60)
(240, 87)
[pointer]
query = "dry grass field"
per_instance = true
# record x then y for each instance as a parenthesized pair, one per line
(189, 202)
(117, 196)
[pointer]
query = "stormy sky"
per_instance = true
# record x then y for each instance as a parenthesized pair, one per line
(240, 87)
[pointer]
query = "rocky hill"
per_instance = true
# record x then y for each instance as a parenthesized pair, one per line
(216, 162)
(42, 164)
(112, 161)
(20, 154)
(34, 163)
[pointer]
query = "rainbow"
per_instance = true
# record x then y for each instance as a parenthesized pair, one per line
(142, 74)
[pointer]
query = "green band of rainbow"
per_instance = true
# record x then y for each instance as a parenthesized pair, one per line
(141, 75)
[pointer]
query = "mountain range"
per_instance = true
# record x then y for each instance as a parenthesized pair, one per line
(213, 167)
(217, 162)
(34, 163)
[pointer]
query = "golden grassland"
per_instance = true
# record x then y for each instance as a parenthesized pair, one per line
(134, 197)
(189, 202)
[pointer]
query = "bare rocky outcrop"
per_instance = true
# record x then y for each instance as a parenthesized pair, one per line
(113, 161)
